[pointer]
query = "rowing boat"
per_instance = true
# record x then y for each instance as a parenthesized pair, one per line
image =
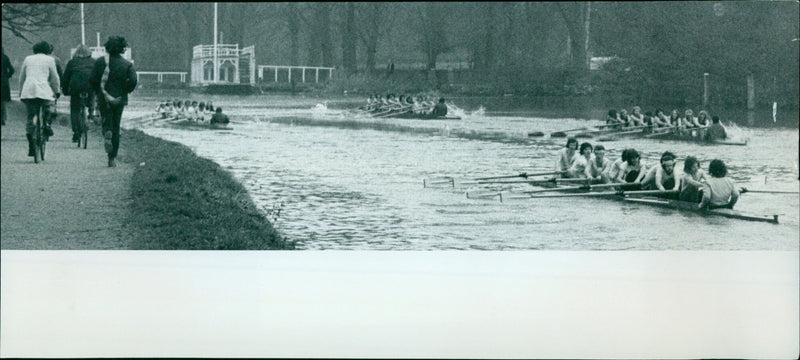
(412, 115)
(644, 198)
(201, 125)
(647, 132)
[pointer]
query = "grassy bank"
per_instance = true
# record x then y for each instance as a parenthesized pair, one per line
(183, 202)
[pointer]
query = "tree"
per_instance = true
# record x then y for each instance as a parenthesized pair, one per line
(349, 38)
(576, 17)
(433, 32)
(372, 16)
(34, 18)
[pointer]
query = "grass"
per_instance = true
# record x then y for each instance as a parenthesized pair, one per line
(184, 202)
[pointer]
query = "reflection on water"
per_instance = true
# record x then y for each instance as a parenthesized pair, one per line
(346, 181)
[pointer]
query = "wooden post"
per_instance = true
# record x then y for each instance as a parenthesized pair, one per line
(290, 74)
(705, 90)
(304, 74)
(276, 74)
(316, 78)
(751, 91)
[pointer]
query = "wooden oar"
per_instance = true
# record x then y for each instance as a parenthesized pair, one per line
(522, 175)
(563, 133)
(610, 193)
(746, 190)
(534, 182)
(580, 187)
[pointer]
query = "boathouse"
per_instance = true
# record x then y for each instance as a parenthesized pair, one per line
(234, 65)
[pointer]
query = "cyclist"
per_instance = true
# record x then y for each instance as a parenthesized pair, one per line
(76, 82)
(39, 88)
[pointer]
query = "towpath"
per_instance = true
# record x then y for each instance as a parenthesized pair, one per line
(71, 201)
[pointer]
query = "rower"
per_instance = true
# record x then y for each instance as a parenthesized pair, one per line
(716, 131)
(623, 117)
(581, 167)
(692, 181)
(702, 119)
(633, 169)
(612, 118)
(660, 120)
(664, 176)
(599, 164)
(718, 191)
(612, 172)
(688, 120)
(566, 156)
(636, 118)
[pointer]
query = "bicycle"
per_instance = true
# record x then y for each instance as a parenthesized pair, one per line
(82, 122)
(39, 136)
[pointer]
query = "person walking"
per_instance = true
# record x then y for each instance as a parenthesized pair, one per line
(39, 88)
(113, 78)
(76, 82)
(7, 71)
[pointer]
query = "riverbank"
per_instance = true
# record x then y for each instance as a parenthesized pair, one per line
(160, 197)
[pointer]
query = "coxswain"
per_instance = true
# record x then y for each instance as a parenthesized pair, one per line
(718, 191)
(566, 156)
(219, 117)
(663, 177)
(716, 131)
(440, 109)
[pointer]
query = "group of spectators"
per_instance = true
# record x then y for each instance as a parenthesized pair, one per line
(106, 80)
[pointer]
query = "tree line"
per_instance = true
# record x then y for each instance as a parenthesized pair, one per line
(658, 47)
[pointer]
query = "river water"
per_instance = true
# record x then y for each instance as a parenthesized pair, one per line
(331, 179)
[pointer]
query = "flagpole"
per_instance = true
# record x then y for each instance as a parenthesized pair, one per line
(216, 75)
(83, 28)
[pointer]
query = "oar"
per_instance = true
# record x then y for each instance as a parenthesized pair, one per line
(534, 182)
(522, 175)
(563, 133)
(581, 187)
(746, 190)
(444, 180)
(396, 111)
(609, 193)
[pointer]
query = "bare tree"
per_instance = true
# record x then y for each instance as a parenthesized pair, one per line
(33, 18)
(349, 38)
(433, 33)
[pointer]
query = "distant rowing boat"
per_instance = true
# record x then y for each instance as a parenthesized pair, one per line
(697, 135)
(203, 125)
(412, 115)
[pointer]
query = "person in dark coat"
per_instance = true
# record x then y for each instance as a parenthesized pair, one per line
(76, 81)
(7, 71)
(113, 78)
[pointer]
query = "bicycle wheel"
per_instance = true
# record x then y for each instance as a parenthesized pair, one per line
(37, 136)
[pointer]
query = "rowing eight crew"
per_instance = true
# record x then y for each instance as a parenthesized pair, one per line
(715, 130)
(418, 104)
(191, 110)
(692, 184)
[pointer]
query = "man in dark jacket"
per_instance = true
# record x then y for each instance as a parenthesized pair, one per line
(7, 71)
(76, 82)
(112, 84)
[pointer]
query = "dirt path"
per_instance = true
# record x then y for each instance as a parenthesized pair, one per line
(72, 200)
